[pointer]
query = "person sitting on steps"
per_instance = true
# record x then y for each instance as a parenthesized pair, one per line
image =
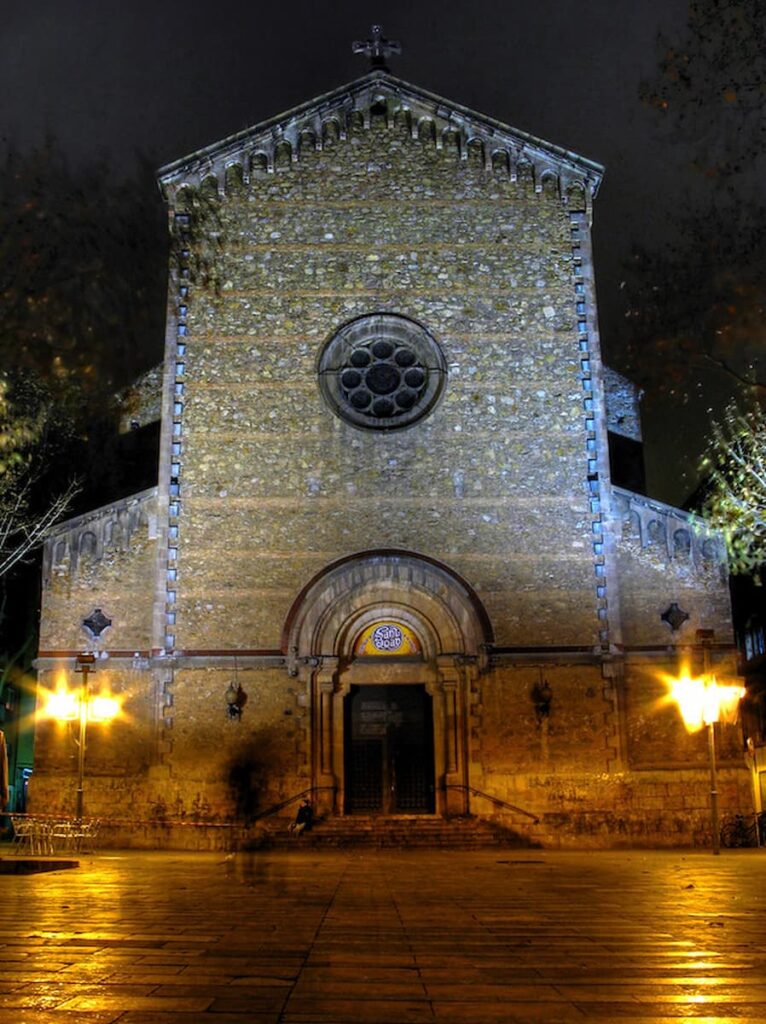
(304, 819)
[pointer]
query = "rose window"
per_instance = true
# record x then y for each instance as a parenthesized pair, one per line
(382, 371)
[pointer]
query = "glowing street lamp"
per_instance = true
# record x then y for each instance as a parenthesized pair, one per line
(704, 702)
(79, 706)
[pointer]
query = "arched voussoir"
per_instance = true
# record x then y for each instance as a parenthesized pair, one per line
(441, 607)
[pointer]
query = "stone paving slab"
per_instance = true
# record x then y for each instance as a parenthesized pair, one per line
(387, 937)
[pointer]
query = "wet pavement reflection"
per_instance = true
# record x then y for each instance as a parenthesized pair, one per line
(306, 937)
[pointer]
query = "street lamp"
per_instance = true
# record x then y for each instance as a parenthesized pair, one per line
(79, 706)
(705, 702)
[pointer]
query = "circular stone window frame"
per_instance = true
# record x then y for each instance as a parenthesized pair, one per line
(359, 336)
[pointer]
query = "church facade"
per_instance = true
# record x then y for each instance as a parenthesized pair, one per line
(385, 560)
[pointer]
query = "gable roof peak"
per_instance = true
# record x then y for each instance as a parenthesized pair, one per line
(256, 146)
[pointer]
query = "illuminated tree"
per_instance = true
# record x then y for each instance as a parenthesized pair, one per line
(735, 504)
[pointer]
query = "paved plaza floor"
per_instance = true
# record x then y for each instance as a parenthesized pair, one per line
(387, 936)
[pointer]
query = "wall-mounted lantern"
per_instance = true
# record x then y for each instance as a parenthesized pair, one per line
(236, 698)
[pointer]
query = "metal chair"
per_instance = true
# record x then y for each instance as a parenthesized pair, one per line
(31, 835)
(86, 833)
(70, 834)
(62, 834)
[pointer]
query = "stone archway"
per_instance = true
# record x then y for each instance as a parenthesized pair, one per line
(452, 631)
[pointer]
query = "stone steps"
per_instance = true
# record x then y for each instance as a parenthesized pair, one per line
(401, 831)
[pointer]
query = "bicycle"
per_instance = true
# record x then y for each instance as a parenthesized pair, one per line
(739, 830)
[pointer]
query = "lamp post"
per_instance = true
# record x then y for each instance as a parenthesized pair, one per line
(711, 717)
(83, 664)
(81, 707)
(704, 702)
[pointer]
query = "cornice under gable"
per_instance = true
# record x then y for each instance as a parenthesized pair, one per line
(502, 145)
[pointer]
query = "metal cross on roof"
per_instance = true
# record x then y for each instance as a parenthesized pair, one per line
(377, 48)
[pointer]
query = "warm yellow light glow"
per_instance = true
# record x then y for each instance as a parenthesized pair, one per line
(689, 695)
(64, 706)
(703, 701)
(103, 708)
(61, 705)
(728, 702)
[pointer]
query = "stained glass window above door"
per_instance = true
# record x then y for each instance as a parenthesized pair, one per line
(386, 638)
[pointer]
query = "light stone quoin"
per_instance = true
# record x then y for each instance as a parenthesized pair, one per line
(384, 406)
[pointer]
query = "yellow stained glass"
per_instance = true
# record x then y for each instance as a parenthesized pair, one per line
(386, 638)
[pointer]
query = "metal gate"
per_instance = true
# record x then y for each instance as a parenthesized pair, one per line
(389, 750)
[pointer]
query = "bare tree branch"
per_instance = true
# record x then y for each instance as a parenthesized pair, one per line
(21, 533)
(25, 418)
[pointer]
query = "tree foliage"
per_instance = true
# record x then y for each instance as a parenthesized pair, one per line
(83, 253)
(82, 271)
(20, 429)
(735, 465)
(711, 88)
(699, 298)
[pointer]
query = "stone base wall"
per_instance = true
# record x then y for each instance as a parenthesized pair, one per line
(512, 734)
(607, 766)
(668, 808)
(628, 810)
(192, 764)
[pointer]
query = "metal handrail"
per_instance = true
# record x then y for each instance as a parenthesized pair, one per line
(290, 800)
(495, 800)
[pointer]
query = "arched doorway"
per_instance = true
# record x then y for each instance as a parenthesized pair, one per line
(388, 738)
(389, 719)
(388, 745)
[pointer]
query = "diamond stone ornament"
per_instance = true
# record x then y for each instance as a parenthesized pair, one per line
(96, 622)
(674, 616)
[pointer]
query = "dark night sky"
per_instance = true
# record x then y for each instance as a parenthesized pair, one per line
(167, 78)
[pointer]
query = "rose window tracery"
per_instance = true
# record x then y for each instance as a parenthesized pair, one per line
(382, 371)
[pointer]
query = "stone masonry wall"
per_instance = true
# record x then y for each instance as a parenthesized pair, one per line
(273, 486)
(221, 771)
(654, 733)
(563, 768)
(665, 557)
(651, 808)
(577, 736)
(103, 559)
(231, 769)
(118, 754)
(588, 785)
(141, 403)
(623, 405)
